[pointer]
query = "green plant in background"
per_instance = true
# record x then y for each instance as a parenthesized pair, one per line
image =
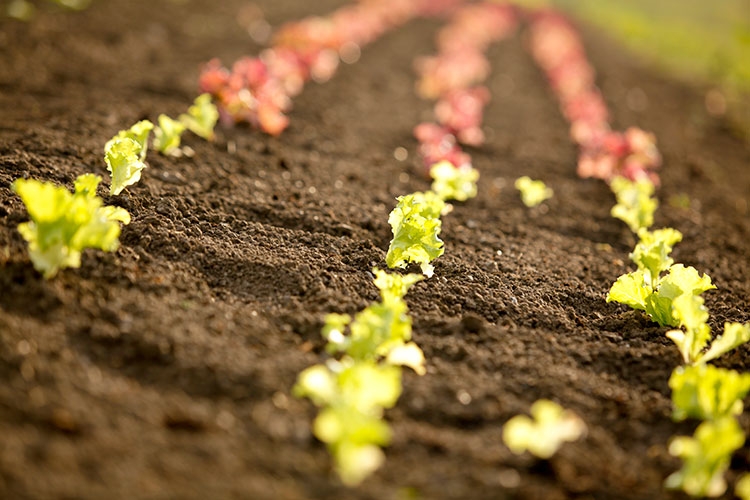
(706, 392)
(635, 202)
(533, 192)
(201, 117)
(416, 224)
(167, 135)
(454, 183)
(542, 435)
(63, 224)
(705, 457)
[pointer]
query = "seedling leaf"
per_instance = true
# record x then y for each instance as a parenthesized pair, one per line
(544, 433)
(705, 457)
(201, 117)
(533, 192)
(124, 163)
(416, 224)
(454, 183)
(635, 204)
(706, 392)
(735, 334)
(167, 135)
(138, 133)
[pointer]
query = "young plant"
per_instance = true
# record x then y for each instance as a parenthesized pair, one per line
(416, 224)
(138, 133)
(646, 289)
(706, 392)
(123, 159)
(380, 331)
(742, 489)
(532, 192)
(544, 433)
(201, 117)
(353, 395)
(635, 202)
(706, 457)
(63, 224)
(454, 183)
(167, 135)
(355, 390)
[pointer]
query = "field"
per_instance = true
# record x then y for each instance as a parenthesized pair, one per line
(165, 369)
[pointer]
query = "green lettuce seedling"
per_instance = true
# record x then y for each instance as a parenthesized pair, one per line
(706, 457)
(454, 183)
(201, 117)
(532, 192)
(138, 133)
(353, 395)
(706, 392)
(416, 224)
(646, 289)
(124, 164)
(382, 330)
(544, 433)
(167, 135)
(742, 489)
(635, 203)
(64, 223)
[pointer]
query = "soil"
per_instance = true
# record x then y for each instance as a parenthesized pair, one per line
(164, 370)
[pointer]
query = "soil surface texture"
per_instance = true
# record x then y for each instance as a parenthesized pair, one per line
(164, 370)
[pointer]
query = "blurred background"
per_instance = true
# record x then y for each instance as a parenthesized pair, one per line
(706, 43)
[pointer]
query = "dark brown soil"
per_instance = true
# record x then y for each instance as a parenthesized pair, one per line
(164, 370)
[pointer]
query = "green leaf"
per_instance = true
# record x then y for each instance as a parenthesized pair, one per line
(124, 164)
(679, 281)
(167, 135)
(735, 334)
(706, 457)
(651, 254)
(415, 223)
(706, 392)
(454, 183)
(394, 286)
(533, 192)
(63, 224)
(542, 435)
(317, 383)
(201, 117)
(635, 204)
(407, 355)
(138, 133)
(630, 289)
(742, 489)
(690, 313)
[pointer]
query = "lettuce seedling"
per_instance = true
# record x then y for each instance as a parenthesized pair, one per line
(201, 117)
(454, 183)
(742, 489)
(382, 330)
(64, 223)
(167, 135)
(532, 192)
(138, 133)
(706, 392)
(544, 433)
(635, 202)
(353, 395)
(416, 224)
(706, 457)
(646, 289)
(124, 163)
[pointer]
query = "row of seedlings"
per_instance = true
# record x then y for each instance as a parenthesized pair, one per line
(668, 292)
